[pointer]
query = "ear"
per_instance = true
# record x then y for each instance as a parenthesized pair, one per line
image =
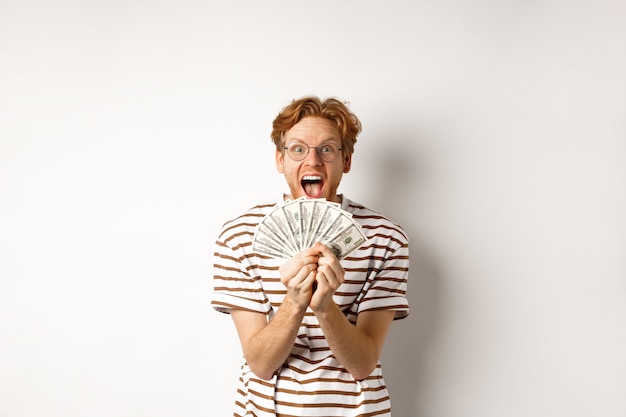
(280, 161)
(347, 163)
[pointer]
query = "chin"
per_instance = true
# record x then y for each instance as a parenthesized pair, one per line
(314, 196)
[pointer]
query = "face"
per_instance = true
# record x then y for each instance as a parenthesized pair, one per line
(312, 177)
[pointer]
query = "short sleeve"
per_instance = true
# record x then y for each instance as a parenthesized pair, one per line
(387, 290)
(233, 286)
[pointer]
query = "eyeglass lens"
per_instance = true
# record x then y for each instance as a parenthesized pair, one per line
(327, 152)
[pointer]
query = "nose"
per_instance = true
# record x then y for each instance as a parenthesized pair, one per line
(315, 154)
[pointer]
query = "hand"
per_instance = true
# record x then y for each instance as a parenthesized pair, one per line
(330, 275)
(298, 276)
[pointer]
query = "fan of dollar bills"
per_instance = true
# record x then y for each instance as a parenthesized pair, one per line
(296, 225)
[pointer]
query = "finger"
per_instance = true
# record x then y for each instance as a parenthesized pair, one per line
(323, 250)
(304, 274)
(331, 279)
(310, 280)
(321, 281)
(301, 260)
(332, 267)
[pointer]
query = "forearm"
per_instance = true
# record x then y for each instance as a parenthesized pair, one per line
(357, 351)
(267, 349)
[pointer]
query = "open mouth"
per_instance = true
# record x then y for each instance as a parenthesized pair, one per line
(312, 185)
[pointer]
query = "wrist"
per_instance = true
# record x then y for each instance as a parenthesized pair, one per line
(293, 307)
(325, 309)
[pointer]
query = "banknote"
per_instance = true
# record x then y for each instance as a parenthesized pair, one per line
(298, 224)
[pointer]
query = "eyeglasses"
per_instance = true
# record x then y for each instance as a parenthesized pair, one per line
(298, 151)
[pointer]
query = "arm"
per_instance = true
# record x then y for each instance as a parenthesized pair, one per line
(265, 345)
(358, 348)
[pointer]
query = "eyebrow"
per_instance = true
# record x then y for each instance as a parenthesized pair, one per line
(303, 142)
(331, 138)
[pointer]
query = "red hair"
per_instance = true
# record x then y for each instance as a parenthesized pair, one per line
(332, 109)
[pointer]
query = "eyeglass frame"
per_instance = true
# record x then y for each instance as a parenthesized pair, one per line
(308, 150)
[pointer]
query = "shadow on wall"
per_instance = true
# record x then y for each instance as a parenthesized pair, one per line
(396, 194)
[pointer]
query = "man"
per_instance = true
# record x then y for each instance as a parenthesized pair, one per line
(312, 327)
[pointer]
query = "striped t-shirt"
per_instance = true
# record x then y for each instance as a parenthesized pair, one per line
(312, 382)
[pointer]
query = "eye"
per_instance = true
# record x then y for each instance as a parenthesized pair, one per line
(327, 149)
(297, 149)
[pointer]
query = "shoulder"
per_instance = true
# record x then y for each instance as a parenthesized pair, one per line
(375, 222)
(247, 220)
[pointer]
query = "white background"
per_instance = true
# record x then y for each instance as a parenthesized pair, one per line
(494, 132)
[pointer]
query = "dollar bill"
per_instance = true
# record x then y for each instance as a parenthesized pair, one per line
(291, 210)
(346, 241)
(297, 224)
